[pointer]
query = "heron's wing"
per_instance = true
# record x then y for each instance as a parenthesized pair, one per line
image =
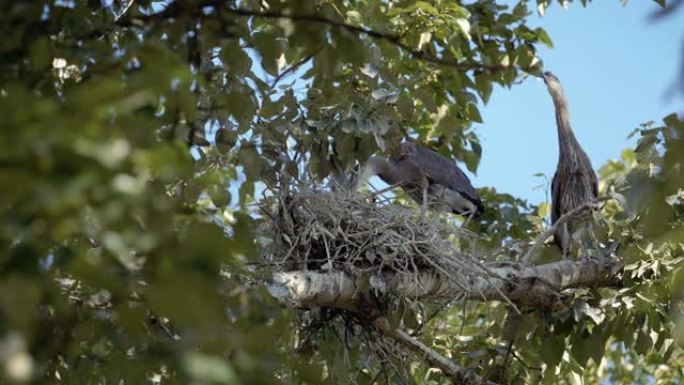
(441, 170)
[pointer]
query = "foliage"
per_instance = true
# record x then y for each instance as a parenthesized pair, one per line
(137, 137)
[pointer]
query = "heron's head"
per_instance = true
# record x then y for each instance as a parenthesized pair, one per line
(552, 83)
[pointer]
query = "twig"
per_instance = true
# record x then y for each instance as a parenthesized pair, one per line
(124, 10)
(504, 366)
(458, 374)
(293, 68)
(430, 318)
(463, 314)
(191, 137)
(533, 251)
(522, 362)
(375, 378)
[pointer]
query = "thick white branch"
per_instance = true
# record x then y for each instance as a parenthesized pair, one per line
(535, 287)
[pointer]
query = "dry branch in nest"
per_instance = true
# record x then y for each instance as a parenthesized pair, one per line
(342, 232)
(329, 249)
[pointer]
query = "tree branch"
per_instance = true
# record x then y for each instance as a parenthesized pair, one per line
(530, 287)
(527, 287)
(292, 68)
(176, 10)
(458, 374)
(531, 254)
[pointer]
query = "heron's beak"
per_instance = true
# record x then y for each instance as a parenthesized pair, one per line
(534, 75)
(547, 75)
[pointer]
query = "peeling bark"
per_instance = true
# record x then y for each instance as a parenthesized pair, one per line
(527, 287)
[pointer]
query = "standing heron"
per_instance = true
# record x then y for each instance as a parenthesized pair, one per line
(574, 183)
(428, 178)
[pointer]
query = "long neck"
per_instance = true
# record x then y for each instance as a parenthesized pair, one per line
(377, 165)
(382, 167)
(567, 143)
(373, 166)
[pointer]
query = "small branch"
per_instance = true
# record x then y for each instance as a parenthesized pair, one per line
(124, 10)
(458, 374)
(292, 68)
(191, 135)
(531, 254)
(429, 318)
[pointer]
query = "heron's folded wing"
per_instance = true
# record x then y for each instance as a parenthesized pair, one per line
(441, 170)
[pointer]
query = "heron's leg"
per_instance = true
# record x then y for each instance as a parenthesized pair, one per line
(468, 217)
(424, 186)
(425, 197)
(589, 241)
(565, 241)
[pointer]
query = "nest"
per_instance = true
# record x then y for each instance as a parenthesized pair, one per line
(329, 230)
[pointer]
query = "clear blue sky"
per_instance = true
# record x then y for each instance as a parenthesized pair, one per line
(616, 67)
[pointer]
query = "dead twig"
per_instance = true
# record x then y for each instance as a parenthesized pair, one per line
(531, 254)
(458, 374)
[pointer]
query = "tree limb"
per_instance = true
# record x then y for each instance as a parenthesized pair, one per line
(527, 287)
(530, 287)
(458, 374)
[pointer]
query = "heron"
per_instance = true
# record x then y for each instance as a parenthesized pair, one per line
(428, 178)
(574, 184)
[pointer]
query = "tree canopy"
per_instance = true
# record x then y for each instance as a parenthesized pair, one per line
(140, 139)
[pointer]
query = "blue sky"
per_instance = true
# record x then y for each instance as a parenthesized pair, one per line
(616, 67)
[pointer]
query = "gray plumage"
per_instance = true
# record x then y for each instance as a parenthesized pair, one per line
(419, 170)
(574, 182)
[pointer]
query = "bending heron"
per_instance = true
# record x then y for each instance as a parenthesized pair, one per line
(574, 183)
(428, 178)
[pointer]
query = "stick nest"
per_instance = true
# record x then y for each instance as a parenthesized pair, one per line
(324, 230)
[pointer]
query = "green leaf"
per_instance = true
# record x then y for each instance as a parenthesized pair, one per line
(219, 195)
(484, 88)
(552, 350)
(225, 139)
(643, 343)
(209, 369)
(236, 58)
(544, 37)
(473, 113)
(187, 104)
(267, 45)
(581, 349)
(345, 146)
(41, 54)
(425, 7)
(250, 160)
